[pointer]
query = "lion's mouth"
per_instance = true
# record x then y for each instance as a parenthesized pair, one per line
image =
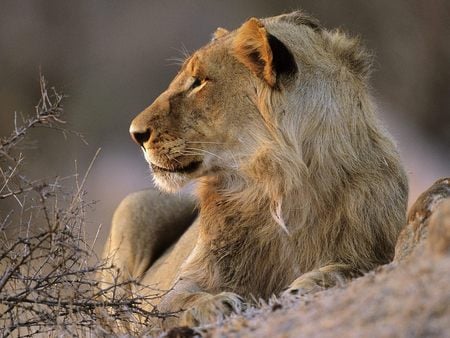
(190, 168)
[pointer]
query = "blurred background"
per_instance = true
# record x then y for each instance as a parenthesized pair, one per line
(113, 58)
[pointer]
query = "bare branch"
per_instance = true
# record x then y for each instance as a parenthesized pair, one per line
(47, 266)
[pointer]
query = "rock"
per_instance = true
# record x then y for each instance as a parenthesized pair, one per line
(439, 230)
(416, 230)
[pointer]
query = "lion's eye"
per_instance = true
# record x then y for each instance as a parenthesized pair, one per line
(197, 82)
(196, 85)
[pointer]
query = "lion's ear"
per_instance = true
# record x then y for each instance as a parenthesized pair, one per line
(251, 47)
(265, 55)
(219, 33)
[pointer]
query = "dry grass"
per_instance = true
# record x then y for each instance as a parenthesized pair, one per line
(47, 264)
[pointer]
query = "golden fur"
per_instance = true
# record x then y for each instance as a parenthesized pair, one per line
(297, 183)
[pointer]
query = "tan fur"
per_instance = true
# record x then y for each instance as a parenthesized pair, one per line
(219, 33)
(297, 183)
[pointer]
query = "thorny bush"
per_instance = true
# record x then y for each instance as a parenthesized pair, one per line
(47, 270)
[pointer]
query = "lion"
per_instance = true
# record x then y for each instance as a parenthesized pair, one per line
(297, 185)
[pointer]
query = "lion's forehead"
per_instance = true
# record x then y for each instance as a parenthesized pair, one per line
(212, 55)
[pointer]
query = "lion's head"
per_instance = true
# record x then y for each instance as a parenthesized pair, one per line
(278, 95)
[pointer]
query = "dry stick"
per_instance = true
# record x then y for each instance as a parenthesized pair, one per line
(84, 179)
(8, 275)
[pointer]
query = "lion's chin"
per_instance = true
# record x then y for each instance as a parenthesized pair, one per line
(170, 182)
(175, 179)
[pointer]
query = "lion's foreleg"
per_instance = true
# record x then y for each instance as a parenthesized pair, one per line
(193, 306)
(322, 278)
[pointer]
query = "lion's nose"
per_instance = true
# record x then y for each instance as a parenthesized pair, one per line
(140, 136)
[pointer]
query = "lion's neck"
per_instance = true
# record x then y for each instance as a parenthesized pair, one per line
(245, 206)
(233, 223)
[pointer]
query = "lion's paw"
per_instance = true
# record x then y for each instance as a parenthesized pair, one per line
(212, 308)
(303, 285)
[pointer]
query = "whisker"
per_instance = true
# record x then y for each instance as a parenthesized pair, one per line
(172, 158)
(184, 55)
(186, 153)
(175, 61)
(182, 152)
(191, 153)
(205, 142)
(206, 152)
(199, 152)
(184, 51)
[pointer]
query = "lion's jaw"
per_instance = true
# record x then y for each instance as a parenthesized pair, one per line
(172, 178)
